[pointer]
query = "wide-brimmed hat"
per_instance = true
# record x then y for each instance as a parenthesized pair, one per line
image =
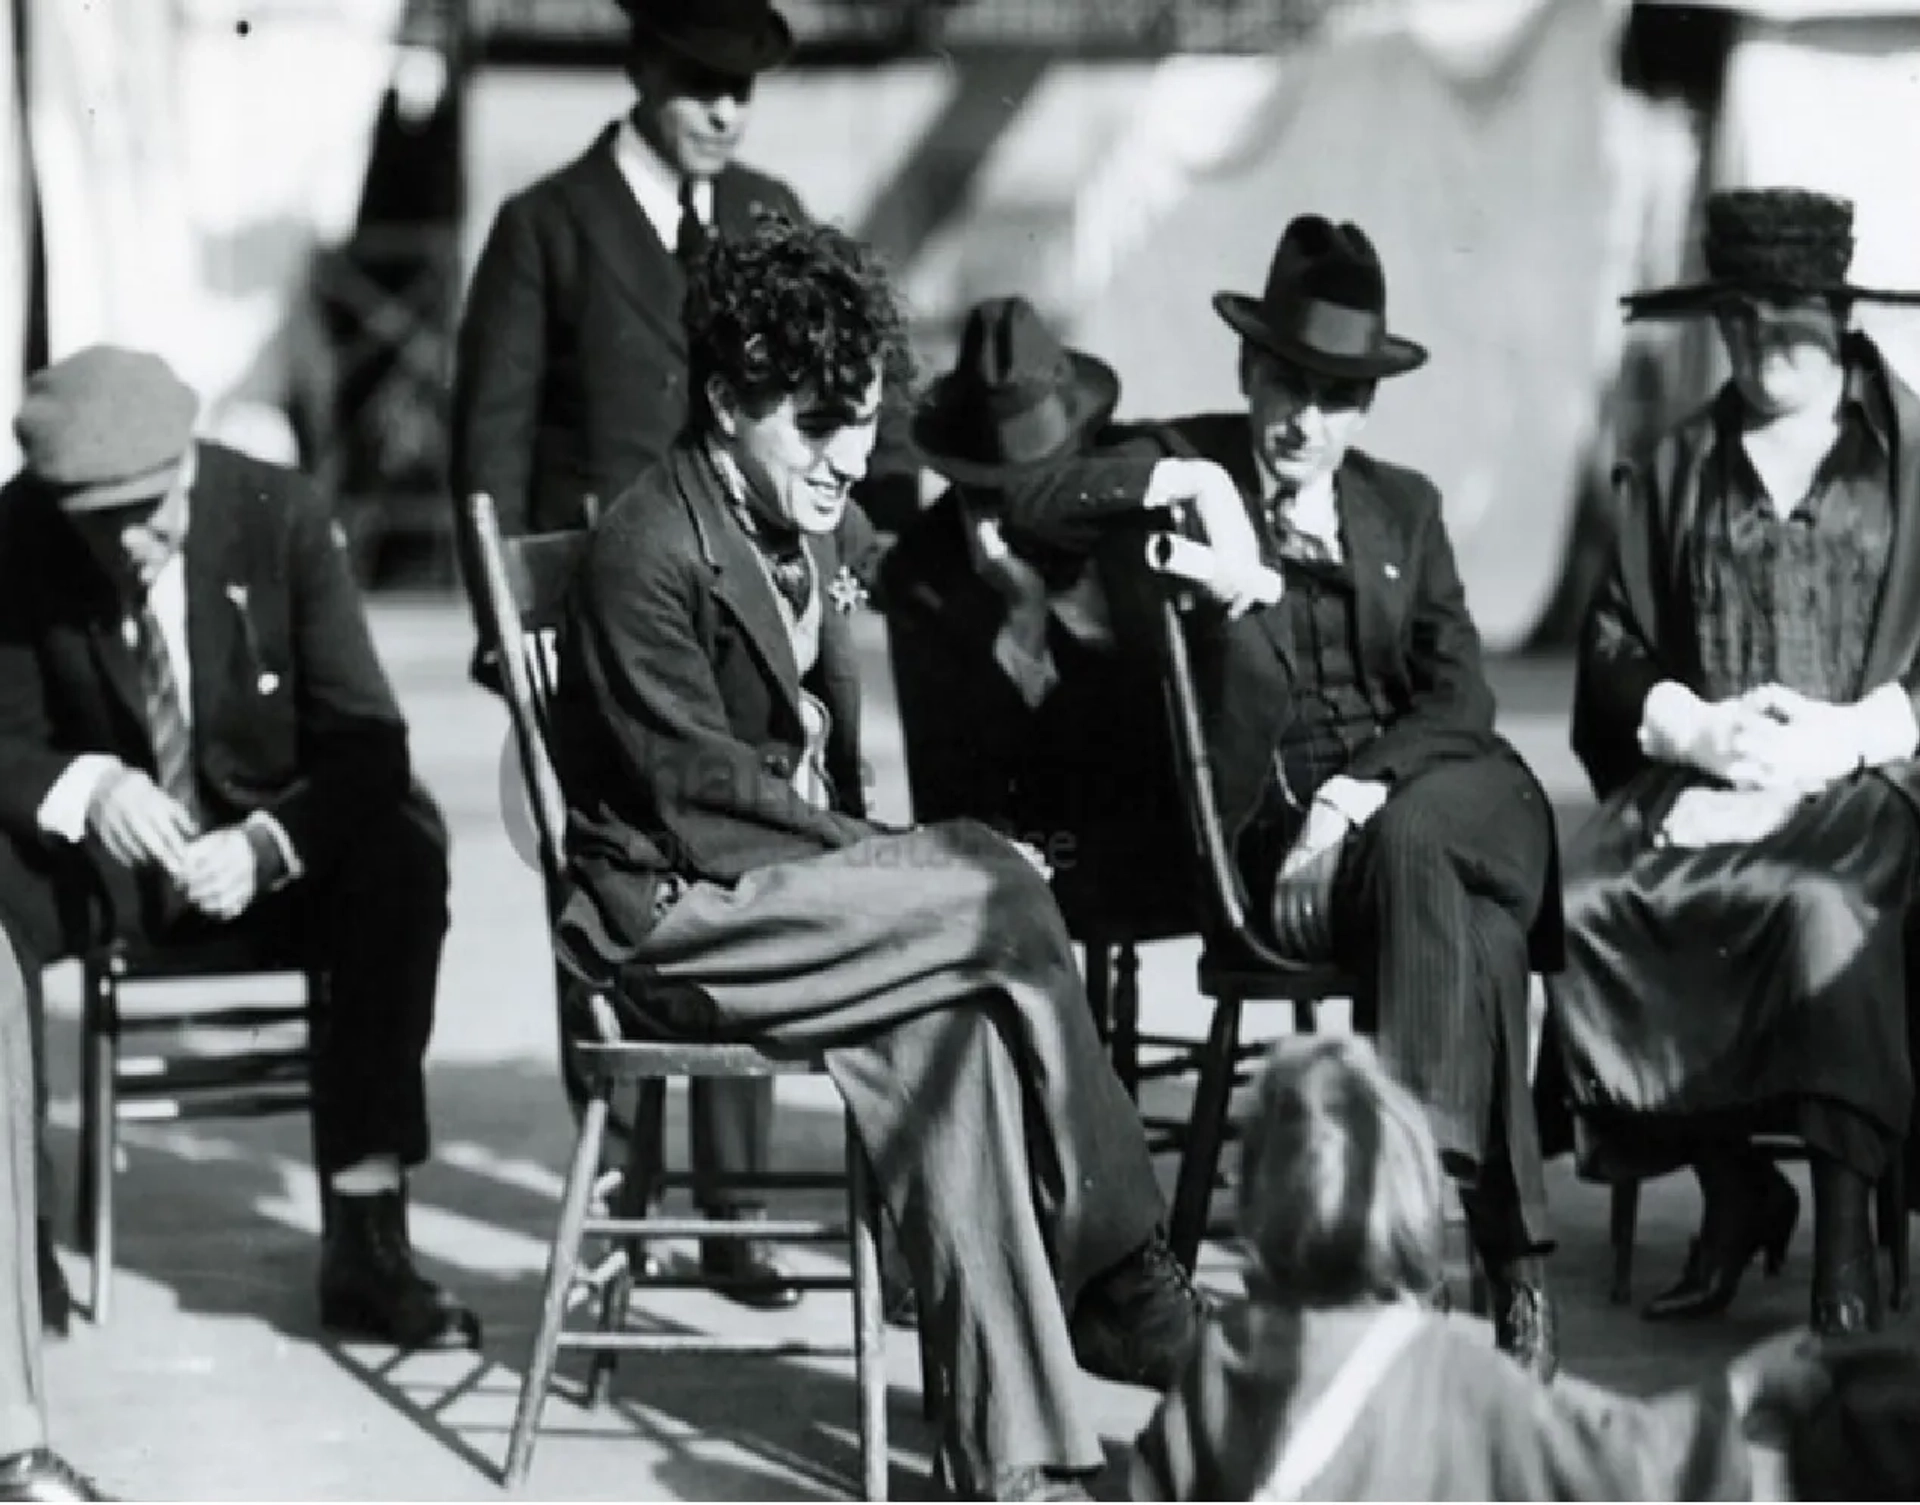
(1016, 398)
(738, 38)
(106, 427)
(1325, 305)
(1778, 242)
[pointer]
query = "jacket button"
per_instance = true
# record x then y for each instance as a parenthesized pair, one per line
(780, 765)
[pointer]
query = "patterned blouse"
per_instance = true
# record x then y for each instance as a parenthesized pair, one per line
(1791, 600)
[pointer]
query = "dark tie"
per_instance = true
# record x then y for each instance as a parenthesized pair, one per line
(792, 577)
(691, 242)
(166, 716)
(1290, 543)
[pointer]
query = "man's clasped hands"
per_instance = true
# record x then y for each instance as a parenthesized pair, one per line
(141, 825)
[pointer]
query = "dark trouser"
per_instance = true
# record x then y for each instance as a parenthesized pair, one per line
(1432, 906)
(22, 1421)
(374, 921)
(934, 971)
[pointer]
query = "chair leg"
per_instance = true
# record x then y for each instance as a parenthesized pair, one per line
(869, 1318)
(614, 1301)
(1193, 1192)
(102, 1112)
(1895, 1229)
(1623, 1224)
(562, 1262)
(1126, 1016)
(1098, 974)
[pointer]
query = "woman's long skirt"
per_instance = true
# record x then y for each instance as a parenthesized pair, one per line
(1734, 988)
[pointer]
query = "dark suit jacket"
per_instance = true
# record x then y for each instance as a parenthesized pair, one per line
(570, 371)
(292, 713)
(1641, 628)
(677, 726)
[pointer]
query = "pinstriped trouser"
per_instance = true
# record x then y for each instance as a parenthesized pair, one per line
(22, 1424)
(1432, 907)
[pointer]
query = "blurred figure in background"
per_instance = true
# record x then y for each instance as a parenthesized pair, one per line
(1744, 707)
(1334, 1381)
(29, 1470)
(570, 376)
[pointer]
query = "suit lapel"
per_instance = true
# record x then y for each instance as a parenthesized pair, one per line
(1895, 640)
(622, 236)
(1376, 552)
(740, 581)
(216, 593)
(117, 665)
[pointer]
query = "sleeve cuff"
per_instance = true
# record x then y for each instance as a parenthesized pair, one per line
(63, 812)
(273, 855)
(1887, 729)
(1670, 721)
(1350, 797)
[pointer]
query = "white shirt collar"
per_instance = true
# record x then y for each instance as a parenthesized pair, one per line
(655, 185)
(1312, 510)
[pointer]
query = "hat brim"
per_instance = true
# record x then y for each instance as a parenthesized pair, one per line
(729, 53)
(1091, 400)
(1395, 357)
(1699, 298)
(149, 486)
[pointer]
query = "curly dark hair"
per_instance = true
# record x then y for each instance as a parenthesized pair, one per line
(791, 308)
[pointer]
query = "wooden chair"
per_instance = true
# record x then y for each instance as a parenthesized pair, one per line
(1890, 1221)
(523, 584)
(172, 1078)
(1237, 967)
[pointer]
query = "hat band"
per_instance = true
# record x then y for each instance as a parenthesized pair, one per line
(1332, 328)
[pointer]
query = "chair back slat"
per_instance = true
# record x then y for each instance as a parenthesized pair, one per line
(523, 586)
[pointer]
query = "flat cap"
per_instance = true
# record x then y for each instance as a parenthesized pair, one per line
(106, 427)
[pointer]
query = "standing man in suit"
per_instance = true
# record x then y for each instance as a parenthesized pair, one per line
(1376, 817)
(195, 733)
(29, 1469)
(570, 376)
(727, 884)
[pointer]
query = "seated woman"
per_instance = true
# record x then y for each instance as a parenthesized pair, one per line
(1334, 1382)
(1744, 708)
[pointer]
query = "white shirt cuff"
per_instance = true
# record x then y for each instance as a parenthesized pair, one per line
(273, 828)
(1671, 720)
(63, 812)
(1352, 798)
(1888, 732)
(1030, 666)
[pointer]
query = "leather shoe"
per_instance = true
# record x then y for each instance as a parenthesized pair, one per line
(1760, 1222)
(746, 1271)
(1526, 1326)
(44, 1475)
(56, 1301)
(1036, 1484)
(1139, 1323)
(1846, 1304)
(369, 1287)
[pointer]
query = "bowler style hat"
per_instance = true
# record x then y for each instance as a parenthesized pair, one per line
(1768, 242)
(1015, 400)
(736, 38)
(1325, 306)
(105, 428)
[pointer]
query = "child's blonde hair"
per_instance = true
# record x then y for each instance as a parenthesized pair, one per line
(1340, 1180)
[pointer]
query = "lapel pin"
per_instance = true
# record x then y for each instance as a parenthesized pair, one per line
(268, 682)
(1393, 571)
(846, 592)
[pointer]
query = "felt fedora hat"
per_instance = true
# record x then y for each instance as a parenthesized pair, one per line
(1768, 242)
(738, 38)
(1016, 398)
(1324, 308)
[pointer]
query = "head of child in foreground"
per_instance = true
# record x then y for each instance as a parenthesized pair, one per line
(1340, 1180)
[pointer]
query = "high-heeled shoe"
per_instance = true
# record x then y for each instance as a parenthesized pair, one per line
(1846, 1304)
(1761, 1224)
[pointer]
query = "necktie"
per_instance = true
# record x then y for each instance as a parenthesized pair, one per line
(166, 716)
(691, 241)
(792, 577)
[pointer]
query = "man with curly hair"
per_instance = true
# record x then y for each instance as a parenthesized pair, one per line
(728, 885)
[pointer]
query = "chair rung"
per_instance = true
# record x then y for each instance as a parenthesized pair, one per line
(782, 1230)
(698, 1343)
(698, 1282)
(759, 1181)
(633, 1061)
(241, 1068)
(213, 1104)
(239, 1017)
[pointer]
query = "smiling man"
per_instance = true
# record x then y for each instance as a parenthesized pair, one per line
(726, 883)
